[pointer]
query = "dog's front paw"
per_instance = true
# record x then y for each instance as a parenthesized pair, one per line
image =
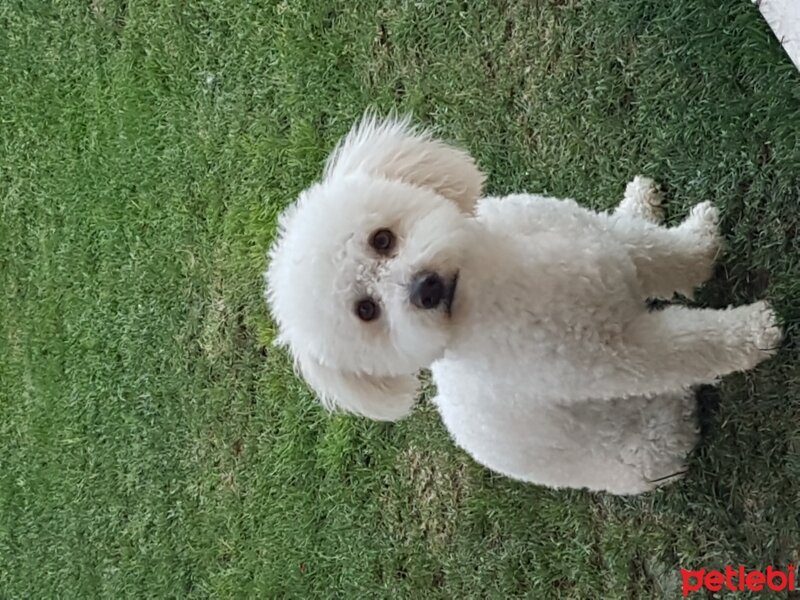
(767, 334)
(754, 335)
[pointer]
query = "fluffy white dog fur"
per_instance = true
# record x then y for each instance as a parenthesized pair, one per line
(530, 312)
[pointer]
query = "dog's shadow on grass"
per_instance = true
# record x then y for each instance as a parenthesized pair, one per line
(729, 286)
(733, 284)
(709, 400)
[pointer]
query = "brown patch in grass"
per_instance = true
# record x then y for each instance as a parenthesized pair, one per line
(213, 337)
(98, 8)
(108, 11)
(433, 486)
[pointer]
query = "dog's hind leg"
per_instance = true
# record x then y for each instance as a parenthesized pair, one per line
(642, 200)
(669, 260)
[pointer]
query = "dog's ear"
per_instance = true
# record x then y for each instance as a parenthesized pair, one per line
(379, 398)
(393, 149)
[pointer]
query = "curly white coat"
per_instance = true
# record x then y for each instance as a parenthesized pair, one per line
(550, 367)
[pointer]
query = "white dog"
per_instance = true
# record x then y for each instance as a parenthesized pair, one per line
(530, 311)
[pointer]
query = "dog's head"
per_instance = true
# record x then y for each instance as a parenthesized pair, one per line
(364, 273)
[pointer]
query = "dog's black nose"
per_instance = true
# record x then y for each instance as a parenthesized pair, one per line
(427, 290)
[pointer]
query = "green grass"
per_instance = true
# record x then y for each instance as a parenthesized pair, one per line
(153, 444)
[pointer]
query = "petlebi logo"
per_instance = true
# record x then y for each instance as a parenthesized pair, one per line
(739, 579)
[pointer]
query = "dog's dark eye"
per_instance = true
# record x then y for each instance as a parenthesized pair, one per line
(382, 241)
(367, 310)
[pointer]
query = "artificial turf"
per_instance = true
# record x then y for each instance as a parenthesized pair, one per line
(152, 441)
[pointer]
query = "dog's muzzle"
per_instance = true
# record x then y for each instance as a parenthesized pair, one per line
(429, 291)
